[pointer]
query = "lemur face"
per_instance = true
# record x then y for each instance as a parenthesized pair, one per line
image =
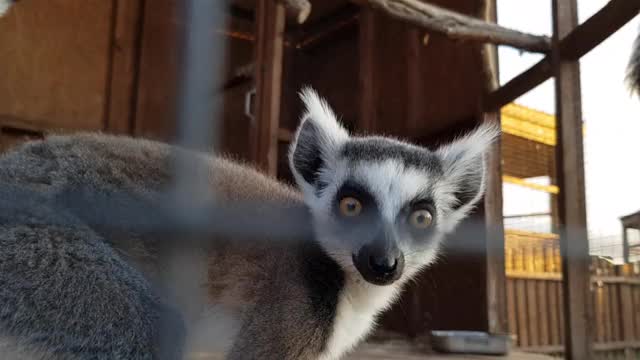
(381, 206)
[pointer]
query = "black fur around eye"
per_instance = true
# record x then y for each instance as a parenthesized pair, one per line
(420, 215)
(353, 200)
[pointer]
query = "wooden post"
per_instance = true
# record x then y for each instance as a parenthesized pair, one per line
(498, 322)
(625, 244)
(496, 277)
(367, 119)
(570, 164)
(269, 53)
(123, 72)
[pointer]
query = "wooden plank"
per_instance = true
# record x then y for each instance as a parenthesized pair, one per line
(533, 313)
(616, 320)
(570, 170)
(366, 43)
(560, 292)
(529, 275)
(511, 306)
(269, 56)
(607, 320)
(523, 330)
(125, 55)
(614, 15)
(596, 29)
(627, 312)
(543, 312)
(54, 63)
(554, 318)
(519, 85)
(599, 312)
(496, 275)
(636, 312)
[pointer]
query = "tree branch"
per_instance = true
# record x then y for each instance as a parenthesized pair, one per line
(457, 26)
(297, 9)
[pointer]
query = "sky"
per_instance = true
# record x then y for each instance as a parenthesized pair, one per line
(610, 112)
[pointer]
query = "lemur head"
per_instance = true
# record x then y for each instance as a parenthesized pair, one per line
(381, 206)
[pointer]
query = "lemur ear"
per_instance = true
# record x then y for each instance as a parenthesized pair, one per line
(464, 166)
(316, 142)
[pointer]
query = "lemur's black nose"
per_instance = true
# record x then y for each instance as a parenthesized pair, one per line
(383, 264)
(380, 265)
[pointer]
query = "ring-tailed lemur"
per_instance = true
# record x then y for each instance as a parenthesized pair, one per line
(379, 208)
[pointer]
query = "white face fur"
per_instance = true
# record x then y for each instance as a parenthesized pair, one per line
(381, 206)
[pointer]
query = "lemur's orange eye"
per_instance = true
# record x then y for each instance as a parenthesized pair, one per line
(421, 219)
(350, 206)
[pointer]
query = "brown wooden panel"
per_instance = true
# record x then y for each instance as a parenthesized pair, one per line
(606, 319)
(156, 107)
(543, 312)
(615, 312)
(636, 312)
(54, 62)
(523, 320)
(269, 56)
(572, 203)
(125, 46)
(554, 318)
(511, 306)
(627, 312)
(533, 312)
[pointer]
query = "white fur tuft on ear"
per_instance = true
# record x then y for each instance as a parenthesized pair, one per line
(316, 142)
(463, 163)
(472, 145)
(318, 110)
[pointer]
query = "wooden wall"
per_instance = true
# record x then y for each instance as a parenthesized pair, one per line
(55, 62)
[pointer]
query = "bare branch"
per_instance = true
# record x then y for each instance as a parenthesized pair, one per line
(297, 9)
(457, 26)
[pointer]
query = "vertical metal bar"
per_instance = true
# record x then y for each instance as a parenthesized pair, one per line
(198, 114)
(572, 207)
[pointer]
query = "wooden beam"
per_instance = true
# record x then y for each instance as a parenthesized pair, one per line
(614, 15)
(519, 85)
(124, 65)
(298, 10)
(457, 26)
(269, 56)
(367, 116)
(498, 322)
(496, 278)
(625, 245)
(320, 29)
(574, 243)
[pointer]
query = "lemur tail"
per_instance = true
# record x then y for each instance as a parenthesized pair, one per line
(5, 5)
(633, 69)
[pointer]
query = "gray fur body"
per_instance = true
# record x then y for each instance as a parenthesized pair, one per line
(74, 291)
(78, 280)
